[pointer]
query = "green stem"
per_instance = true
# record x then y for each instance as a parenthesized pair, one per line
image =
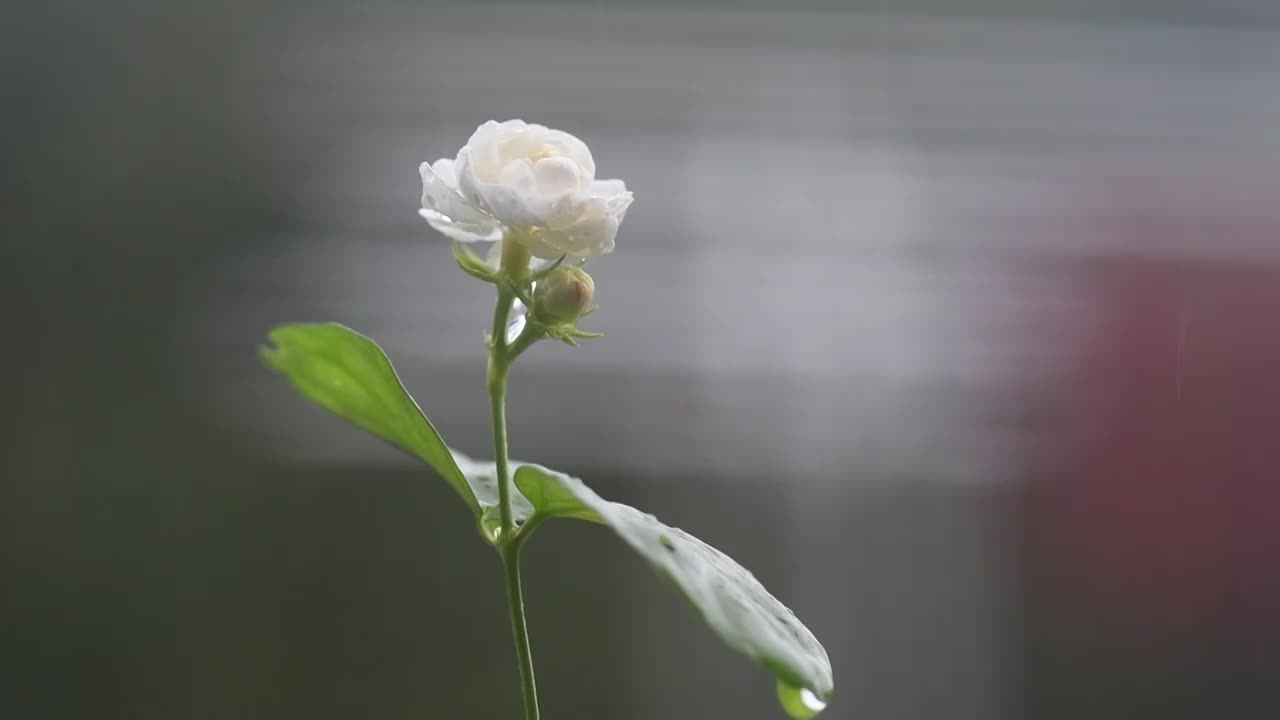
(531, 334)
(509, 540)
(519, 628)
(498, 366)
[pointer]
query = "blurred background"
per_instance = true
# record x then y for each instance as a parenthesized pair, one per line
(955, 321)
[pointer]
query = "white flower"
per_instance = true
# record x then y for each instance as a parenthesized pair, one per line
(533, 184)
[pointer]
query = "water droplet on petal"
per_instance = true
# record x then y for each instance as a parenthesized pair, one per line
(800, 703)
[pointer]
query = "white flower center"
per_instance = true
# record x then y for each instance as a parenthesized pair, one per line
(543, 151)
(556, 175)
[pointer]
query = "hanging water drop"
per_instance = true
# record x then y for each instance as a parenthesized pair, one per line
(800, 703)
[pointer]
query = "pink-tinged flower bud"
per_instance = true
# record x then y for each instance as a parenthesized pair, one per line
(564, 295)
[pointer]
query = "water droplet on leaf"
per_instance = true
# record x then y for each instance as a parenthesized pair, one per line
(800, 703)
(491, 523)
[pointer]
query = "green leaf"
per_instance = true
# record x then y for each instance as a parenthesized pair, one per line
(544, 491)
(729, 598)
(347, 374)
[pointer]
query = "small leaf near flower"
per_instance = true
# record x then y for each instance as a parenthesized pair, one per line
(472, 265)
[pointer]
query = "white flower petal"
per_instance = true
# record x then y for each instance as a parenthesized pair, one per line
(485, 143)
(592, 234)
(572, 148)
(615, 194)
(538, 246)
(487, 230)
(557, 176)
(440, 192)
(516, 144)
(501, 201)
(518, 175)
(445, 171)
(562, 211)
(447, 211)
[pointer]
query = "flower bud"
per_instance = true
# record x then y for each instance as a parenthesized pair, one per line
(564, 295)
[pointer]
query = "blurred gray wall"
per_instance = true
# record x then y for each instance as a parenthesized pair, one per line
(844, 213)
